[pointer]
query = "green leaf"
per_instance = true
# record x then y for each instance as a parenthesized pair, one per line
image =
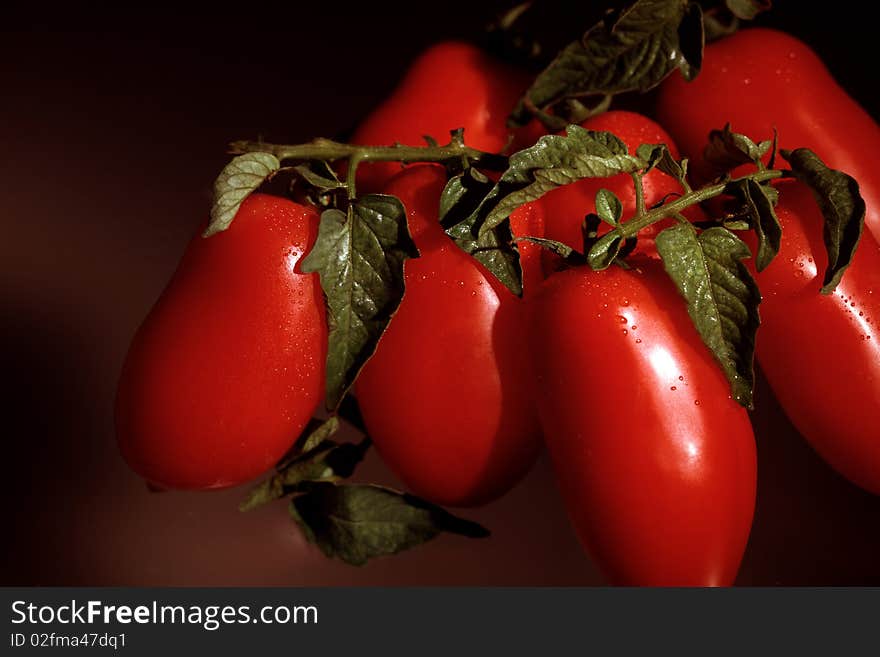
(658, 155)
(462, 195)
(722, 17)
(608, 207)
(736, 224)
(330, 462)
(358, 522)
(843, 208)
(460, 204)
(359, 257)
(327, 461)
(482, 210)
(747, 9)
(239, 178)
(721, 296)
(757, 209)
(320, 174)
(727, 150)
(315, 435)
(603, 252)
(718, 26)
(554, 161)
(494, 249)
(771, 193)
(633, 50)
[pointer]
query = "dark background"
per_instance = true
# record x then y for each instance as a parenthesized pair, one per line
(113, 124)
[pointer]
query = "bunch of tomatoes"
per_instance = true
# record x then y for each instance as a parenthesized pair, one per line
(654, 455)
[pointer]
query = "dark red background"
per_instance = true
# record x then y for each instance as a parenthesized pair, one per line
(113, 124)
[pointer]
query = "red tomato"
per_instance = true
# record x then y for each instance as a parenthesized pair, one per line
(228, 367)
(821, 353)
(655, 461)
(451, 85)
(446, 395)
(760, 78)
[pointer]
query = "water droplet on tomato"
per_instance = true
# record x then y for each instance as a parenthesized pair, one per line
(638, 340)
(673, 388)
(696, 402)
(681, 378)
(625, 332)
(621, 319)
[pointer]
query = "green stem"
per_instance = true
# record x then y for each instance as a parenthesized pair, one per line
(642, 220)
(351, 176)
(329, 150)
(637, 223)
(640, 192)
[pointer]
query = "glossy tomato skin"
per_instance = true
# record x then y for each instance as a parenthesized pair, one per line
(228, 367)
(656, 463)
(450, 85)
(759, 78)
(446, 395)
(821, 353)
